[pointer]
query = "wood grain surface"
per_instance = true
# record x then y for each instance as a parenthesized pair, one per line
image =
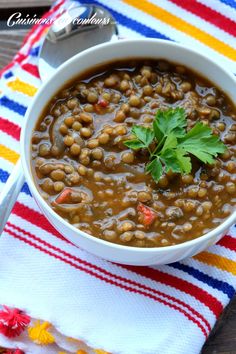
(223, 337)
(24, 3)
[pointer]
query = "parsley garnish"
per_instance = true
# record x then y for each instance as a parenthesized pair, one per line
(172, 145)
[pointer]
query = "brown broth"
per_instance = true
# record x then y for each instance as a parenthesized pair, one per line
(78, 144)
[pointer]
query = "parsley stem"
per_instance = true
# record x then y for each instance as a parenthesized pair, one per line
(158, 145)
(150, 152)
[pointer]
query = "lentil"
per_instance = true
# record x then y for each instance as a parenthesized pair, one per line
(230, 187)
(92, 97)
(144, 197)
(103, 138)
(126, 236)
(120, 116)
(75, 149)
(82, 170)
(110, 81)
(185, 86)
(63, 129)
(110, 235)
(97, 153)
(72, 103)
(92, 143)
(44, 150)
(147, 90)
(69, 121)
(86, 117)
(134, 100)
(68, 140)
(124, 85)
(86, 132)
(76, 126)
(58, 175)
(58, 186)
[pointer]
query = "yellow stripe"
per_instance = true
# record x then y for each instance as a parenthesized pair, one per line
(23, 87)
(217, 261)
(8, 154)
(181, 25)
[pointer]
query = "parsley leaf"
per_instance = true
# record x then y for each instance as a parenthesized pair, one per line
(170, 142)
(144, 137)
(172, 146)
(169, 160)
(200, 142)
(155, 168)
(170, 120)
(184, 161)
(176, 160)
(134, 144)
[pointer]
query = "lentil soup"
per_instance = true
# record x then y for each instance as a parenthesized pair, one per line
(87, 174)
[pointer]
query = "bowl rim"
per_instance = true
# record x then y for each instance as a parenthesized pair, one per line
(226, 224)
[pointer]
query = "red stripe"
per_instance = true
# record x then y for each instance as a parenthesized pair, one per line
(36, 218)
(228, 242)
(208, 14)
(201, 295)
(38, 35)
(30, 68)
(118, 277)
(20, 57)
(211, 302)
(125, 287)
(10, 128)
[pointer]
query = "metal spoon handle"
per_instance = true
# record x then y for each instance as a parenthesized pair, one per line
(10, 193)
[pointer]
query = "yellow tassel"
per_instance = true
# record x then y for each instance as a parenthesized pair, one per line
(81, 351)
(61, 353)
(39, 334)
(100, 351)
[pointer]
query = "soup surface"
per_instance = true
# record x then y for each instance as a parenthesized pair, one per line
(89, 176)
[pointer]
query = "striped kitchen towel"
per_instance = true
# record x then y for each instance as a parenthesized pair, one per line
(60, 299)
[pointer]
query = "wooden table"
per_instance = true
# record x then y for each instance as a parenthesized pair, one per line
(223, 337)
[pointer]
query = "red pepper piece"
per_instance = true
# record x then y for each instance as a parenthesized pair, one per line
(97, 108)
(148, 214)
(63, 197)
(103, 103)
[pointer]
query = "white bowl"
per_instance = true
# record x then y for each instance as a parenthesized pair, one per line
(144, 48)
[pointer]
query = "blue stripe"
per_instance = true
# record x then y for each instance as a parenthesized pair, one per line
(13, 105)
(4, 176)
(230, 3)
(25, 189)
(34, 51)
(214, 283)
(129, 23)
(8, 74)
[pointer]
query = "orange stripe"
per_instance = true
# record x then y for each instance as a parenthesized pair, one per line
(8, 154)
(23, 87)
(220, 262)
(181, 25)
